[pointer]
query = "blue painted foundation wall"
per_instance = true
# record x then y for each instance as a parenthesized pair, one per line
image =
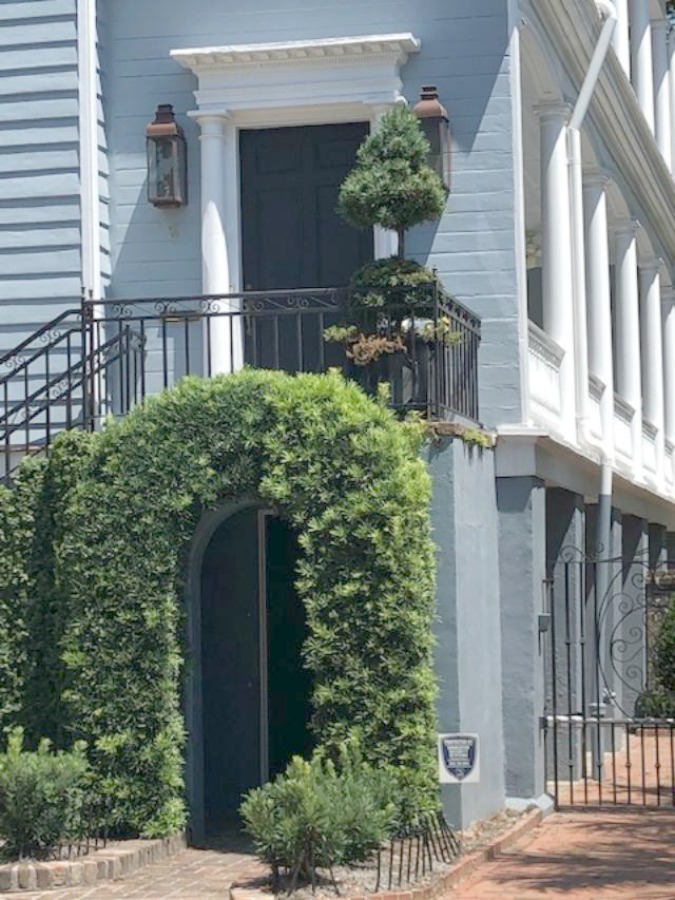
(468, 651)
(465, 52)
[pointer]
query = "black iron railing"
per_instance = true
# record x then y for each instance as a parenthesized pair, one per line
(107, 356)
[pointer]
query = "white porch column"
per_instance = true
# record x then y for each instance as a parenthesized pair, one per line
(668, 324)
(628, 378)
(652, 352)
(620, 39)
(642, 68)
(662, 89)
(223, 339)
(556, 248)
(598, 299)
(671, 62)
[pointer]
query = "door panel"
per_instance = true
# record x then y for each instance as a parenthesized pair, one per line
(290, 180)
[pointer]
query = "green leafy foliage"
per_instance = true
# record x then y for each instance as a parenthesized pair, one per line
(318, 815)
(117, 512)
(665, 651)
(17, 526)
(384, 282)
(42, 798)
(656, 704)
(392, 185)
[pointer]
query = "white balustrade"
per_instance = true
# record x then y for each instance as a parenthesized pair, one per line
(545, 359)
(623, 432)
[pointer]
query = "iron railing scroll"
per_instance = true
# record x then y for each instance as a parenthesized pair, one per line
(609, 740)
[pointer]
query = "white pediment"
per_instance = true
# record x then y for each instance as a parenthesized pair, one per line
(394, 46)
(327, 72)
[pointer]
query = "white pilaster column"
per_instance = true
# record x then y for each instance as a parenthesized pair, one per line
(668, 324)
(620, 39)
(652, 352)
(628, 378)
(556, 248)
(662, 89)
(598, 300)
(642, 68)
(671, 63)
(223, 337)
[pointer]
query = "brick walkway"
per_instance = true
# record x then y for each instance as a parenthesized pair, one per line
(591, 855)
(191, 875)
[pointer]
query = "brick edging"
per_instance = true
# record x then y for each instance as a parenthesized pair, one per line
(106, 864)
(465, 867)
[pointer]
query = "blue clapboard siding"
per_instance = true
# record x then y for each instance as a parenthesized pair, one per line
(465, 51)
(39, 165)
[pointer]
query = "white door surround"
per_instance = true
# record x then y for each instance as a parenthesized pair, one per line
(328, 80)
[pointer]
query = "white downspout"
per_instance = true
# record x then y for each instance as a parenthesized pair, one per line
(577, 211)
(604, 518)
(607, 9)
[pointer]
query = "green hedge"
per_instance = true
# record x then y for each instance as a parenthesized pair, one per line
(17, 530)
(121, 508)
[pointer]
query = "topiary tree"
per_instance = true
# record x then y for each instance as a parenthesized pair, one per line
(392, 186)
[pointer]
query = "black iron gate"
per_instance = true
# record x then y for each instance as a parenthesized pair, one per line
(608, 725)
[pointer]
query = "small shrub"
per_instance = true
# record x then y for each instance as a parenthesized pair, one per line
(317, 815)
(665, 651)
(657, 704)
(42, 797)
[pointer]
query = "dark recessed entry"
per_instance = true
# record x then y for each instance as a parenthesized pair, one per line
(255, 691)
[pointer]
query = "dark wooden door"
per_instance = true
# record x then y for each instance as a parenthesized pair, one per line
(292, 235)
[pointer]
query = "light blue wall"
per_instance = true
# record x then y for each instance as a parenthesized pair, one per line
(39, 160)
(468, 652)
(464, 51)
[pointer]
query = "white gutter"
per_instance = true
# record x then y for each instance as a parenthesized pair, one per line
(90, 216)
(577, 211)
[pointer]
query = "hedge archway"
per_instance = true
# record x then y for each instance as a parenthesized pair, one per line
(347, 476)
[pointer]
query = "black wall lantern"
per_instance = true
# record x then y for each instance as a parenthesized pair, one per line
(167, 159)
(436, 127)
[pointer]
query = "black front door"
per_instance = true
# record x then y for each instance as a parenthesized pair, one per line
(292, 234)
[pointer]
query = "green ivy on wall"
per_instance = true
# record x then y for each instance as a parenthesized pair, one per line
(118, 512)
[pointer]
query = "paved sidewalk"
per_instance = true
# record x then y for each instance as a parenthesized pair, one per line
(591, 855)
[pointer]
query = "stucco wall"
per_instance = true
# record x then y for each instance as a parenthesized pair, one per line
(464, 51)
(468, 655)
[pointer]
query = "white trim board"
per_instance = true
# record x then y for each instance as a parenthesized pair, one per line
(331, 72)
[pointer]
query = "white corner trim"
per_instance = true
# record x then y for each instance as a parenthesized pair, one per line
(200, 59)
(88, 139)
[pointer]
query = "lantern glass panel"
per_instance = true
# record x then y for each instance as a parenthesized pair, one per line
(180, 180)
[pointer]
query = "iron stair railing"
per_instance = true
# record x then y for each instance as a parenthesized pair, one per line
(49, 384)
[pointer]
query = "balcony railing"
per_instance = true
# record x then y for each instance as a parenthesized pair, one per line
(107, 356)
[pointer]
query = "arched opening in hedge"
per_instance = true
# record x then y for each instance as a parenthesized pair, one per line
(248, 693)
(123, 508)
